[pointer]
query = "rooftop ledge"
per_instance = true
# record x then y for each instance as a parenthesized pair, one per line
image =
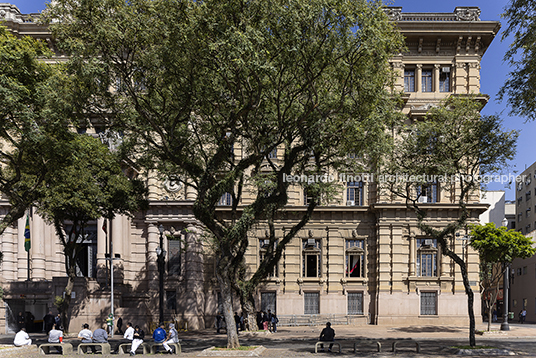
(461, 13)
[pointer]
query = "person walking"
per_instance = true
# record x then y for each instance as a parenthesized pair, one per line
(22, 338)
(327, 335)
(275, 321)
(120, 325)
(110, 324)
(237, 321)
(139, 335)
(57, 321)
(172, 337)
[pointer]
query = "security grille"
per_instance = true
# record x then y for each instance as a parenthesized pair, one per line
(311, 303)
(355, 302)
(268, 301)
(428, 303)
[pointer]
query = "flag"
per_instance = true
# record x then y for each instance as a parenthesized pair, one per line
(27, 242)
(104, 227)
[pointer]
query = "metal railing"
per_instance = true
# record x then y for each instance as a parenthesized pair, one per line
(320, 319)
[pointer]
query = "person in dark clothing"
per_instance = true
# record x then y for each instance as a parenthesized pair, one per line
(327, 335)
(21, 321)
(57, 320)
(237, 321)
(49, 321)
(119, 325)
(138, 339)
(29, 322)
(259, 319)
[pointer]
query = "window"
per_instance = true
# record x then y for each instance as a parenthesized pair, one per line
(264, 245)
(311, 302)
(428, 303)
(527, 195)
(355, 258)
(528, 212)
(519, 271)
(171, 300)
(519, 200)
(355, 303)
(86, 262)
(444, 79)
(354, 193)
(268, 300)
(519, 217)
(409, 80)
(273, 154)
(311, 258)
(426, 77)
(427, 257)
(226, 200)
(174, 258)
(524, 270)
(427, 193)
(307, 199)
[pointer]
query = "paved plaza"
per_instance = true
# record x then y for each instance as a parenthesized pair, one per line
(290, 342)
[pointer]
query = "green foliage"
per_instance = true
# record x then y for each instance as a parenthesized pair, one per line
(500, 245)
(59, 303)
(520, 87)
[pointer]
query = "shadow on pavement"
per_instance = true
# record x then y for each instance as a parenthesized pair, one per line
(422, 329)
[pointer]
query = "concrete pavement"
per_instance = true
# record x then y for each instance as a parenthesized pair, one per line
(290, 342)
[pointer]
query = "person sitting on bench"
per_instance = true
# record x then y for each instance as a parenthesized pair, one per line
(327, 335)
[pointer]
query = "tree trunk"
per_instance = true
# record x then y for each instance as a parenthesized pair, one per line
(248, 309)
(227, 298)
(65, 317)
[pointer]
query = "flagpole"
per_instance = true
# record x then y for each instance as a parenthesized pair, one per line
(27, 243)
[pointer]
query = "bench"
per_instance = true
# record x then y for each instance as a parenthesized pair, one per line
(327, 343)
(417, 345)
(154, 347)
(84, 347)
(66, 348)
(378, 344)
(125, 348)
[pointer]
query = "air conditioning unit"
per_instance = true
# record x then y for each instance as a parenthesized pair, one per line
(428, 242)
(423, 199)
(350, 203)
(265, 243)
(445, 69)
(311, 242)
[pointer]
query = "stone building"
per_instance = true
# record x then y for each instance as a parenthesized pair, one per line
(360, 260)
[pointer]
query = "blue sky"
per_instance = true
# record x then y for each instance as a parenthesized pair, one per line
(493, 72)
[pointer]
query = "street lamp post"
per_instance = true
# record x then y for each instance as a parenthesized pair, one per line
(504, 325)
(161, 253)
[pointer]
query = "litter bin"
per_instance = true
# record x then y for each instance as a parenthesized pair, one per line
(510, 315)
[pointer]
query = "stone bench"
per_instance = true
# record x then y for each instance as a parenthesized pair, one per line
(367, 340)
(397, 342)
(125, 348)
(66, 348)
(84, 347)
(155, 346)
(327, 343)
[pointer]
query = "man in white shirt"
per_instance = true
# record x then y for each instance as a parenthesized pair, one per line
(127, 337)
(86, 336)
(22, 338)
(55, 335)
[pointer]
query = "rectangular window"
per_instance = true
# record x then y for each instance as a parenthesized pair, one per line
(174, 258)
(444, 79)
(273, 154)
(409, 80)
(311, 258)
(427, 257)
(171, 300)
(519, 217)
(354, 258)
(427, 193)
(524, 270)
(264, 243)
(428, 303)
(226, 200)
(306, 197)
(355, 303)
(354, 193)
(311, 302)
(426, 80)
(268, 300)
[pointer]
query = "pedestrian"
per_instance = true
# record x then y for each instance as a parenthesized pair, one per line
(327, 335)
(22, 338)
(219, 322)
(48, 321)
(110, 323)
(237, 321)
(86, 336)
(120, 325)
(494, 318)
(523, 315)
(57, 320)
(243, 322)
(269, 319)
(21, 321)
(259, 319)
(159, 334)
(172, 337)
(29, 322)
(275, 321)
(264, 321)
(139, 335)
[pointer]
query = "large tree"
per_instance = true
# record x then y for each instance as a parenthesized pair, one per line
(89, 185)
(232, 97)
(497, 247)
(449, 151)
(520, 87)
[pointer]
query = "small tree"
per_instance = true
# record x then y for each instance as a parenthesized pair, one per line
(496, 247)
(450, 149)
(90, 184)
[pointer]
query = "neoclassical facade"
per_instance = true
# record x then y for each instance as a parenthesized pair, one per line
(360, 260)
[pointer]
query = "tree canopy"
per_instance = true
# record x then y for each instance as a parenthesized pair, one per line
(520, 87)
(233, 96)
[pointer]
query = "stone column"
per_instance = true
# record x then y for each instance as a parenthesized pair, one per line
(151, 257)
(418, 78)
(436, 77)
(9, 249)
(37, 232)
(412, 254)
(22, 255)
(102, 275)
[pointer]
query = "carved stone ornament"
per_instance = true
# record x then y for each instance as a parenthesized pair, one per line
(467, 14)
(2, 13)
(394, 13)
(173, 184)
